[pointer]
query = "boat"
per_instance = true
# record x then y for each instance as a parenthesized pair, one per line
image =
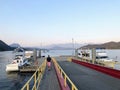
(102, 56)
(21, 51)
(84, 53)
(28, 54)
(18, 61)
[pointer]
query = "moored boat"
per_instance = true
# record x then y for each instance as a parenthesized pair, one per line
(18, 61)
(102, 56)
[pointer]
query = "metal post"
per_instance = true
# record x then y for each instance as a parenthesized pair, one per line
(93, 55)
(73, 46)
(72, 87)
(39, 53)
(28, 86)
(65, 81)
(35, 54)
(35, 81)
(76, 52)
(61, 73)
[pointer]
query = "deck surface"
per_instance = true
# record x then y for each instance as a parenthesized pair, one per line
(88, 79)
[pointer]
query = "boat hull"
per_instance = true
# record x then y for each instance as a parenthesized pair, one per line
(12, 67)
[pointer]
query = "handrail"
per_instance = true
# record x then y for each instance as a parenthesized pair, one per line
(62, 73)
(36, 78)
(110, 64)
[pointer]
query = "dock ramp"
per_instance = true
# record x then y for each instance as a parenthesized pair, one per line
(88, 79)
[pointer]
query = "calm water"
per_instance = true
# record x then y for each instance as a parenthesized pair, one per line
(58, 52)
(10, 81)
(14, 81)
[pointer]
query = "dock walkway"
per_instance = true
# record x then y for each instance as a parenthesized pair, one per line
(88, 79)
(32, 68)
(49, 80)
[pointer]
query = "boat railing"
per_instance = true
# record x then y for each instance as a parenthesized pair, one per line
(35, 79)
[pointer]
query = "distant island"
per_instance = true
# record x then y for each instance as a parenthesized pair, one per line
(108, 45)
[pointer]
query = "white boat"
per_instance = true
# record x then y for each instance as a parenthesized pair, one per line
(18, 61)
(83, 53)
(102, 56)
(29, 54)
(21, 51)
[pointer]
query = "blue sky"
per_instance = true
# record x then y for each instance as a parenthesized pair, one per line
(44, 22)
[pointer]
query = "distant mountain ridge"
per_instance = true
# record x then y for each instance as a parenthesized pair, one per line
(4, 46)
(108, 45)
(14, 45)
(63, 46)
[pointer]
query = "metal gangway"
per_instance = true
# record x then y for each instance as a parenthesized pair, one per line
(73, 75)
(56, 79)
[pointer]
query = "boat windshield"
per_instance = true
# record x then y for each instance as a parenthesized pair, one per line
(102, 57)
(17, 57)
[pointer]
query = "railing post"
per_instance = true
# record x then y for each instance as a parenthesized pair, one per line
(35, 81)
(65, 81)
(61, 73)
(39, 73)
(58, 68)
(72, 87)
(40, 70)
(28, 86)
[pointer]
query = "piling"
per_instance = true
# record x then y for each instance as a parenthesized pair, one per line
(35, 55)
(39, 53)
(93, 55)
(76, 52)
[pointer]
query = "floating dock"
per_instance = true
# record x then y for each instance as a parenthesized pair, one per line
(33, 67)
(82, 75)
(28, 68)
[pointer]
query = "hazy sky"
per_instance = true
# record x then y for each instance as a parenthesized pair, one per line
(43, 22)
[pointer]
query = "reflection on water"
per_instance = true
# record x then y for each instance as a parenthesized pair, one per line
(14, 80)
(11, 75)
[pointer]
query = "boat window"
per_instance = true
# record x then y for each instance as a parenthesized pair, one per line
(79, 54)
(17, 57)
(102, 57)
